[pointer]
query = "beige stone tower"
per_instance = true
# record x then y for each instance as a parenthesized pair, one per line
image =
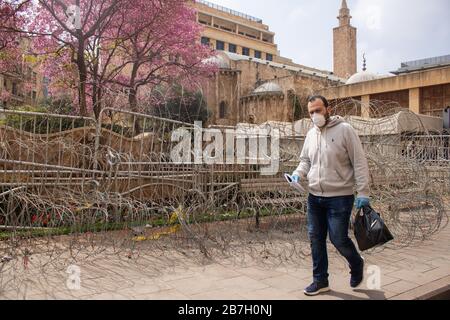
(344, 47)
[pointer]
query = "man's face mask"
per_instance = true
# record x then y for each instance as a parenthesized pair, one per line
(319, 120)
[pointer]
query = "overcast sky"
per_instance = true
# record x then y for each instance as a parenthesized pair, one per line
(389, 31)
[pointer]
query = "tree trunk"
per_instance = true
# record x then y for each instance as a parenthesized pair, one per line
(132, 100)
(96, 100)
(96, 91)
(132, 97)
(81, 64)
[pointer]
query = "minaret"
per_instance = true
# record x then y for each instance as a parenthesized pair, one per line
(344, 48)
(344, 14)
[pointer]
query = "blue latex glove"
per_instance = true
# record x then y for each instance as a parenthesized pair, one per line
(296, 178)
(362, 202)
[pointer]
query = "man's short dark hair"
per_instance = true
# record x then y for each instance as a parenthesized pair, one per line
(324, 100)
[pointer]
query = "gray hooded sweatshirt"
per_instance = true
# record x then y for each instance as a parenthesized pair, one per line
(333, 161)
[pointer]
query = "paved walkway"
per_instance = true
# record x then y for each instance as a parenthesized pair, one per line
(408, 273)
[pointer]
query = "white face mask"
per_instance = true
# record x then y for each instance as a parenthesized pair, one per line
(319, 120)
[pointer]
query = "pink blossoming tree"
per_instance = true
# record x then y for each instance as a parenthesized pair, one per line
(88, 47)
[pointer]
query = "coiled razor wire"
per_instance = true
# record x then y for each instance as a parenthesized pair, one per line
(92, 193)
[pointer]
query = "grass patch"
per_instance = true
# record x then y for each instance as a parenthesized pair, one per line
(155, 223)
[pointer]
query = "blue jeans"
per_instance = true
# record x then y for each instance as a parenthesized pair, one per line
(330, 215)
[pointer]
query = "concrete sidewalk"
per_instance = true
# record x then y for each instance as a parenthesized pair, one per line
(409, 273)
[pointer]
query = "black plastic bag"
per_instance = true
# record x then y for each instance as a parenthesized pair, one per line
(370, 230)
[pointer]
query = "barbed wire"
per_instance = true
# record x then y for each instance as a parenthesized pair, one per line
(106, 189)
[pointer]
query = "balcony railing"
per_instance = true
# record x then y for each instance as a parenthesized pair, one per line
(230, 11)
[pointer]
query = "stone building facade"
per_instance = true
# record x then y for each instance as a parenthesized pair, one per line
(225, 29)
(255, 91)
(24, 83)
(14, 92)
(424, 91)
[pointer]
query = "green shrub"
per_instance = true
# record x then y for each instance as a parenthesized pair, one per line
(40, 124)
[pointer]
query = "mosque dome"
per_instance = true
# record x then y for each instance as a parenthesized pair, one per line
(362, 77)
(218, 60)
(268, 88)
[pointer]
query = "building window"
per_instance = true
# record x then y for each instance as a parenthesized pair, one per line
(14, 89)
(205, 41)
(223, 110)
(246, 51)
(232, 48)
(258, 54)
(269, 57)
(34, 77)
(34, 95)
(434, 99)
(220, 45)
(226, 29)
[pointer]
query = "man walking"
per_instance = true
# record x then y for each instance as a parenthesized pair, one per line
(333, 162)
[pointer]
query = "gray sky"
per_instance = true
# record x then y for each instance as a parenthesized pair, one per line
(389, 31)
